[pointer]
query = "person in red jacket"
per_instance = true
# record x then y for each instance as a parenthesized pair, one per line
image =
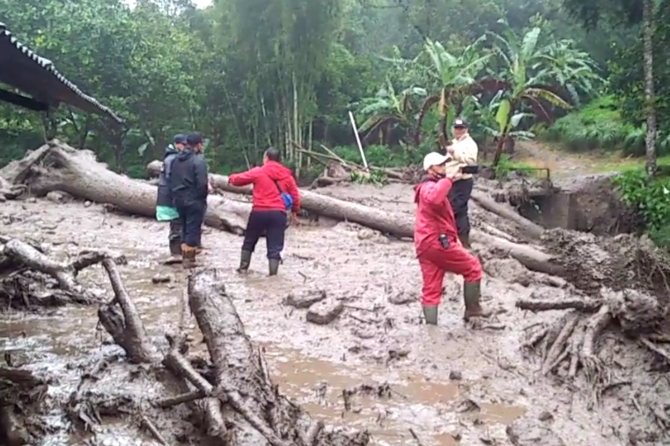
(436, 240)
(275, 195)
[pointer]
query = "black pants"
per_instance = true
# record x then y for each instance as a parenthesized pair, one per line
(273, 224)
(459, 196)
(175, 230)
(191, 216)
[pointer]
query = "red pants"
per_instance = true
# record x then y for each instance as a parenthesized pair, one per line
(436, 261)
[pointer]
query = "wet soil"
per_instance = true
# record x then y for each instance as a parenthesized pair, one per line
(374, 367)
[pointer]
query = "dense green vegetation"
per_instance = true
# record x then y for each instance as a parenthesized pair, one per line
(248, 74)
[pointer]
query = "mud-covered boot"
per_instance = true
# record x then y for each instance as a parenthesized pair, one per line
(471, 297)
(430, 314)
(175, 247)
(245, 262)
(274, 266)
(464, 238)
(188, 256)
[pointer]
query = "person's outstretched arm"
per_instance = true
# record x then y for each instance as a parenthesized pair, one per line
(244, 178)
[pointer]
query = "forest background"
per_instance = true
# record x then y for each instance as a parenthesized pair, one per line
(252, 73)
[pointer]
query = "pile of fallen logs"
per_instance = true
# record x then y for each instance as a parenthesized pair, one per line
(230, 396)
(586, 263)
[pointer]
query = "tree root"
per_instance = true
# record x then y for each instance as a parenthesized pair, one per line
(33, 279)
(570, 344)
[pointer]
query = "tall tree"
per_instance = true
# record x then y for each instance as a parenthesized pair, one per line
(638, 15)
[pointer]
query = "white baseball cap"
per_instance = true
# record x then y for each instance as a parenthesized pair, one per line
(435, 159)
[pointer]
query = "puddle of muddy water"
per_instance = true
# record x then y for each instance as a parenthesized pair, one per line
(430, 409)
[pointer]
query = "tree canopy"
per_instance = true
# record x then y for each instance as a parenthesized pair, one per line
(253, 73)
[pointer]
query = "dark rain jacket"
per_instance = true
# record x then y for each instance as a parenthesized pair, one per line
(164, 196)
(188, 178)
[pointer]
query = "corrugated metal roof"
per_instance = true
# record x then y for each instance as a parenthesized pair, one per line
(89, 103)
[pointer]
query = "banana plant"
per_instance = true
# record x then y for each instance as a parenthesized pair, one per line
(388, 110)
(530, 74)
(454, 76)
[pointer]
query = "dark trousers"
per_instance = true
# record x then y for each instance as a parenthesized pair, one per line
(175, 230)
(191, 216)
(204, 212)
(459, 196)
(273, 224)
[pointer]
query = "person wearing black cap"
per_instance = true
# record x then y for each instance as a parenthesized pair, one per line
(165, 210)
(464, 150)
(189, 184)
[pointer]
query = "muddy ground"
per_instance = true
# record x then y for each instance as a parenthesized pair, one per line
(449, 384)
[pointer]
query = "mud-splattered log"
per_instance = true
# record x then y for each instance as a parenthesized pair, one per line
(383, 221)
(59, 167)
(256, 413)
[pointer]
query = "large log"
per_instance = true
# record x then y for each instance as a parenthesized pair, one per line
(528, 227)
(256, 413)
(378, 219)
(78, 173)
(402, 224)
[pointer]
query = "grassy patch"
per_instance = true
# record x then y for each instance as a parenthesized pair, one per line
(628, 164)
(597, 126)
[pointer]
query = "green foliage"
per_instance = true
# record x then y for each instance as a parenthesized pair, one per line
(252, 73)
(601, 126)
(381, 156)
(651, 197)
(375, 177)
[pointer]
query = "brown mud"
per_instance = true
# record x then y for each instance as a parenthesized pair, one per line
(374, 366)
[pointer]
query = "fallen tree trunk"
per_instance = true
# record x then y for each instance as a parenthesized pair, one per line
(252, 407)
(385, 222)
(34, 279)
(110, 389)
(528, 227)
(77, 172)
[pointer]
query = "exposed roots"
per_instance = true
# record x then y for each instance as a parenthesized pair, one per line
(571, 343)
(31, 279)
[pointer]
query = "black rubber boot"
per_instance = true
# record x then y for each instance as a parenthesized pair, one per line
(175, 247)
(245, 261)
(471, 297)
(430, 314)
(274, 266)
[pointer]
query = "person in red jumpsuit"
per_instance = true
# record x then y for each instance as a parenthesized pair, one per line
(436, 240)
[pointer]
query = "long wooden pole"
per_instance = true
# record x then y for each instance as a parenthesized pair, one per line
(358, 140)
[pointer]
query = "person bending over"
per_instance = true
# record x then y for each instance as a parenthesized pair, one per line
(189, 185)
(436, 241)
(275, 194)
(464, 150)
(165, 211)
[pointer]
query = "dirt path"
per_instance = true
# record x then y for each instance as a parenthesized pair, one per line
(449, 384)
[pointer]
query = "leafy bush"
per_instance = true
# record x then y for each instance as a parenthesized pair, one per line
(597, 126)
(651, 198)
(600, 126)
